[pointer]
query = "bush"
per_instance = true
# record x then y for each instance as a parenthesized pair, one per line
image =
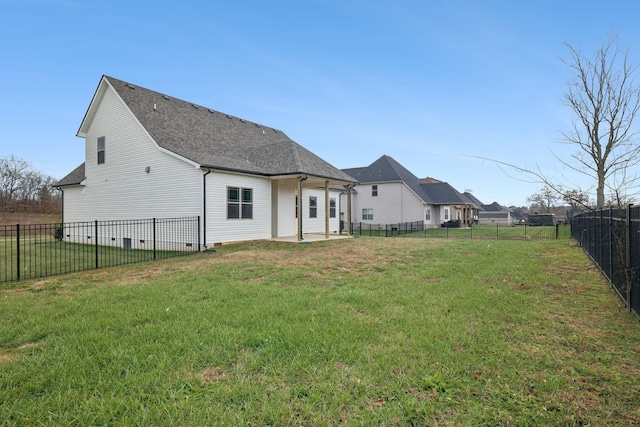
(58, 234)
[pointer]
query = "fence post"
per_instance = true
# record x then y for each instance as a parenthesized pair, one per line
(18, 251)
(627, 254)
(96, 236)
(557, 230)
(199, 242)
(610, 243)
(154, 237)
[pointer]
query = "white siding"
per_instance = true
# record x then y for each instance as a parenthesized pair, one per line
(223, 230)
(121, 188)
(287, 224)
(317, 225)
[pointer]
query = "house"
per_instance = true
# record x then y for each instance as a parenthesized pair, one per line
(151, 155)
(491, 214)
(388, 193)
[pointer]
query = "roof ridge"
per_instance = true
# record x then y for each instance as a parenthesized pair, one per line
(214, 139)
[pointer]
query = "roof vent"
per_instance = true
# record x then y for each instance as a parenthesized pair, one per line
(211, 111)
(166, 97)
(243, 121)
(194, 106)
(130, 86)
(229, 117)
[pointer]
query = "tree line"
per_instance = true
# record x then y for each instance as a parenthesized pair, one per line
(25, 189)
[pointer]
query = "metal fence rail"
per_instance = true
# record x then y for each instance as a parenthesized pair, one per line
(38, 250)
(612, 239)
(492, 231)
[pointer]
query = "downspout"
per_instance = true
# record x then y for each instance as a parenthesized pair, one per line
(204, 209)
(302, 179)
(62, 192)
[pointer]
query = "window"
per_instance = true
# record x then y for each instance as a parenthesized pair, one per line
(332, 208)
(247, 203)
(101, 149)
(367, 214)
(313, 207)
(428, 214)
(374, 191)
(239, 203)
(446, 214)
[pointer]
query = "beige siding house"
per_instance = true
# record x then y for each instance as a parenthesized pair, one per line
(149, 155)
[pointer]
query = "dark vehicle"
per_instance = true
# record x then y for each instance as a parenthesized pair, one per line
(451, 224)
(541, 219)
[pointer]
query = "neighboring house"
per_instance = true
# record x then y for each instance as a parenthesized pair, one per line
(149, 155)
(387, 193)
(491, 214)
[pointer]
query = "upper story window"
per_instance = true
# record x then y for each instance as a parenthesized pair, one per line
(313, 207)
(332, 208)
(374, 191)
(239, 203)
(101, 149)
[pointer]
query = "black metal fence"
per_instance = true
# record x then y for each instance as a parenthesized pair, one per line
(38, 250)
(472, 231)
(611, 237)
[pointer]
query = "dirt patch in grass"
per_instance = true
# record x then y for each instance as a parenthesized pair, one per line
(6, 358)
(211, 375)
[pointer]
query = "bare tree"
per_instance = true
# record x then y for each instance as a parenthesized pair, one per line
(546, 199)
(605, 99)
(12, 171)
(576, 198)
(24, 188)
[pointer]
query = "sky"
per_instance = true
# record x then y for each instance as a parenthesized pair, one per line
(440, 86)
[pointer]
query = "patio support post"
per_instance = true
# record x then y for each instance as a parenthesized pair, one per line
(302, 179)
(349, 230)
(326, 209)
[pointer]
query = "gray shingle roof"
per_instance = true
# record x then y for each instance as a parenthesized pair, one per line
(442, 193)
(219, 141)
(472, 199)
(387, 169)
(74, 177)
(493, 207)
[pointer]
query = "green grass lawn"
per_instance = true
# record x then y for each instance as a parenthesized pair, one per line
(364, 331)
(518, 232)
(43, 255)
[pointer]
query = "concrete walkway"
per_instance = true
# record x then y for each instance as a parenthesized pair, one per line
(307, 238)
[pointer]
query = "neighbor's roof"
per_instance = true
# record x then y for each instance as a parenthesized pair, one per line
(473, 199)
(494, 207)
(387, 169)
(213, 139)
(443, 193)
